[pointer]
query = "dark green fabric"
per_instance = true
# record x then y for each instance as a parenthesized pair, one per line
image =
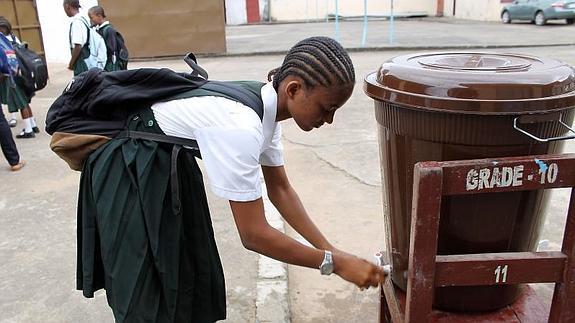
(12, 95)
(156, 266)
(80, 66)
(252, 86)
(110, 66)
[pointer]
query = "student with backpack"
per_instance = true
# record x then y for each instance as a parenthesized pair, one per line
(144, 227)
(7, 143)
(115, 44)
(87, 47)
(11, 92)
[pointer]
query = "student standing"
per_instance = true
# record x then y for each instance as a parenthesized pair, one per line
(78, 36)
(13, 95)
(7, 143)
(144, 226)
(114, 41)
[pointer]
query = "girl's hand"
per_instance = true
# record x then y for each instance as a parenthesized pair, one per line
(358, 271)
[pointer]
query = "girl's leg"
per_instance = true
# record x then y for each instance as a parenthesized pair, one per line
(27, 114)
(27, 118)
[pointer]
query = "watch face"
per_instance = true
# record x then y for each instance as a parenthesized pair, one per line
(326, 269)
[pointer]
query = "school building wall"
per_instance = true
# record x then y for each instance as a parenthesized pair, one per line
(55, 26)
(169, 27)
(283, 10)
(142, 25)
(484, 10)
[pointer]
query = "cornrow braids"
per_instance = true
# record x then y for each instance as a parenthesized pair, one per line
(317, 61)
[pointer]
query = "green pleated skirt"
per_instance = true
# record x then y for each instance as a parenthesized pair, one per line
(12, 95)
(157, 262)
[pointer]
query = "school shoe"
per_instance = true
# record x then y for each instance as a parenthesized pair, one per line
(26, 135)
(18, 166)
(12, 123)
(35, 130)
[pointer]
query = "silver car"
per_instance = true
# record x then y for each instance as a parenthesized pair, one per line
(539, 11)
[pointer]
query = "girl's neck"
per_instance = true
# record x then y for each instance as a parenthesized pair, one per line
(282, 112)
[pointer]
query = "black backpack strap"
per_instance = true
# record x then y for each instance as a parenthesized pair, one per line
(87, 30)
(236, 91)
(190, 143)
(178, 144)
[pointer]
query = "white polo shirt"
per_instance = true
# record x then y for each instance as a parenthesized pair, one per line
(232, 139)
(78, 30)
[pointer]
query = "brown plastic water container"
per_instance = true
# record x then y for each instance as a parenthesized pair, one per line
(456, 106)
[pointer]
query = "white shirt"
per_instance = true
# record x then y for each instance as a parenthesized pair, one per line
(232, 139)
(13, 38)
(78, 30)
(98, 27)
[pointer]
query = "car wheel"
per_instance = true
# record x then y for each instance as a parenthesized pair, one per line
(570, 21)
(540, 18)
(505, 18)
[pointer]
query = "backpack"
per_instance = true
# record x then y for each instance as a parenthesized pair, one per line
(95, 106)
(10, 66)
(118, 53)
(4, 69)
(94, 50)
(33, 69)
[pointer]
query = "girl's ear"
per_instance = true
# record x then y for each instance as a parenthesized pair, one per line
(293, 88)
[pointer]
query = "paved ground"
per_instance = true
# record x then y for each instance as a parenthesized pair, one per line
(421, 33)
(335, 170)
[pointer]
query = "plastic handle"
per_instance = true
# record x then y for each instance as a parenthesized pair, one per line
(379, 261)
(190, 59)
(546, 139)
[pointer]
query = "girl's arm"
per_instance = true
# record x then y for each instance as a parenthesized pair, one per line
(286, 200)
(257, 235)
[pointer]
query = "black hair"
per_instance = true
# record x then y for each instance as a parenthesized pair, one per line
(73, 3)
(317, 61)
(6, 24)
(97, 10)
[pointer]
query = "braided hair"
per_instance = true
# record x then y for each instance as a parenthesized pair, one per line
(317, 61)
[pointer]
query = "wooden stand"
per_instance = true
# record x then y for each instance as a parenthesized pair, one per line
(527, 309)
(427, 270)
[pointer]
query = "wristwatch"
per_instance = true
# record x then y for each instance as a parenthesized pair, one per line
(326, 267)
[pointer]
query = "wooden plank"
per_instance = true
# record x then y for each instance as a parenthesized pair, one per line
(563, 305)
(507, 174)
(392, 304)
(427, 192)
(499, 268)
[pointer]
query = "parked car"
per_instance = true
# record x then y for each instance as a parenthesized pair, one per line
(539, 11)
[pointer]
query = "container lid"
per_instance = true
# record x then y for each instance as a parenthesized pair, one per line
(477, 83)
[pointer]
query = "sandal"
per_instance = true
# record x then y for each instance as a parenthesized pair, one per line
(18, 166)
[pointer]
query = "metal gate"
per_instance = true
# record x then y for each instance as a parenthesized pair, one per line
(23, 15)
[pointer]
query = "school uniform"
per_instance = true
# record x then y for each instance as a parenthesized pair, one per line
(11, 94)
(144, 227)
(113, 63)
(78, 35)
